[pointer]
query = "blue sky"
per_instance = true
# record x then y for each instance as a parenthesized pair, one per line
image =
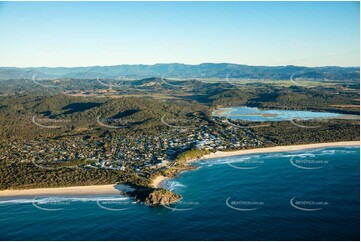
(112, 33)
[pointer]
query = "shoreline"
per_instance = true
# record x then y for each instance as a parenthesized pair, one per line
(112, 189)
(287, 148)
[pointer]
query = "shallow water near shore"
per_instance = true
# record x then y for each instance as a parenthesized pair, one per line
(303, 195)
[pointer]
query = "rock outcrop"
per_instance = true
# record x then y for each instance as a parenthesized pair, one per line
(153, 196)
(162, 196)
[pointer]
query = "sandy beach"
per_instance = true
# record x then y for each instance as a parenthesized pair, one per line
(158, 180)
(219, 154)
(78, 190)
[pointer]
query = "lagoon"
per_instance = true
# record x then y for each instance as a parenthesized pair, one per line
(259, 115)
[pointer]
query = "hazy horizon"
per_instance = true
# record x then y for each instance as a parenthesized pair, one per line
(174, 63)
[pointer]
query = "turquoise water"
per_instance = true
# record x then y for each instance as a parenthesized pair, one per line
(256, 114)
(304, 195)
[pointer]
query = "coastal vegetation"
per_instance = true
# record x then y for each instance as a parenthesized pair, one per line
(26, 176)
(336, 98)
(191, 155)
(308, 132)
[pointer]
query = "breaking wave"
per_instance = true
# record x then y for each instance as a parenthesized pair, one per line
(54, 199)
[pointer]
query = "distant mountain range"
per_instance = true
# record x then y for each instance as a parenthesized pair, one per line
(205, 70)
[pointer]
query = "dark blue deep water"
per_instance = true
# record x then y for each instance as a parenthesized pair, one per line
(304, 195)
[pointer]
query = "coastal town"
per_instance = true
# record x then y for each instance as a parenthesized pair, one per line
(143, 154)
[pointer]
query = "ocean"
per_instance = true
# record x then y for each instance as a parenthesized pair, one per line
(303, 195)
